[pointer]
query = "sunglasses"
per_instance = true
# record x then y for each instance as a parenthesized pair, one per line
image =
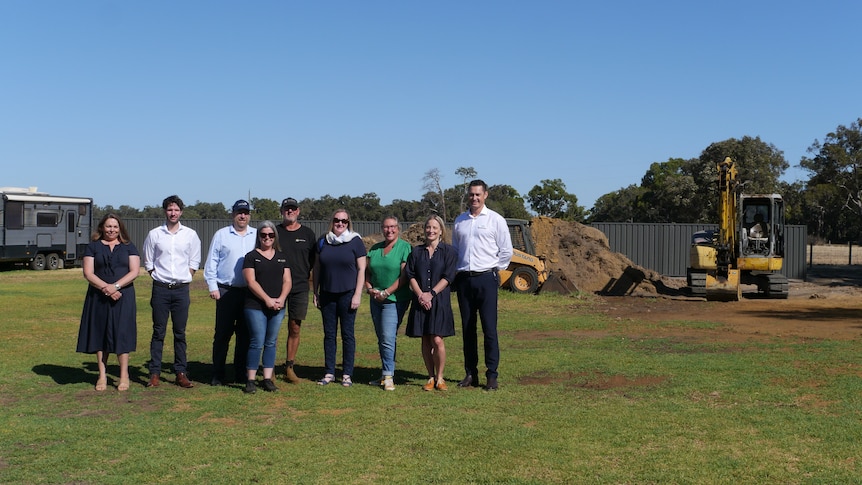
(337, 220)
(267, 235)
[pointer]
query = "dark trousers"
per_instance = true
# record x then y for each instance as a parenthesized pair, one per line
(174, 304)
(477, 297)
(230, 321)
(335, 310)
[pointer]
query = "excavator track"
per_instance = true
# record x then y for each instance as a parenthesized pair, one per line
(776, 286)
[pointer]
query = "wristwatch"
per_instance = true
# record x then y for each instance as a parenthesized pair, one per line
(117, 286)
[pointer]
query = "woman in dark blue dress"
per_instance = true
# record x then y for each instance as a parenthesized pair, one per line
(108, 322)
(430, 271)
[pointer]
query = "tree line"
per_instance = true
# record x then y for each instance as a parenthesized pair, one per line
(550, 198)
(676, 191)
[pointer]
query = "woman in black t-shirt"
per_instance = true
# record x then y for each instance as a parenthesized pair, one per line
(268, 275)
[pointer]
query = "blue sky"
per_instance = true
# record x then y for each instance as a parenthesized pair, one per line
(128, 102)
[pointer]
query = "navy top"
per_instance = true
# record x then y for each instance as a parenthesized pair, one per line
(337, 264)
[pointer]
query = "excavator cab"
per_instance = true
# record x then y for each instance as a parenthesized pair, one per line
(762, 221)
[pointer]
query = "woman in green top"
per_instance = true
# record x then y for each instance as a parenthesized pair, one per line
(390, 296)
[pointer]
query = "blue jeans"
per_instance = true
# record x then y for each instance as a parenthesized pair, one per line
(335, 310)
(263, 327)
(387, 317)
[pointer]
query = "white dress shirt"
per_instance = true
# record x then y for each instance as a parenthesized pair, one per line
(171, 257)
(483, 241)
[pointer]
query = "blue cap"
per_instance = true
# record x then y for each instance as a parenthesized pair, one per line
(240, 206)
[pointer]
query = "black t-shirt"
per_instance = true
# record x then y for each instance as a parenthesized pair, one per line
(298, 246)
(269, 274)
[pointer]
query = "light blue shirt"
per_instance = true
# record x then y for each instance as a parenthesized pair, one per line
(224, 261)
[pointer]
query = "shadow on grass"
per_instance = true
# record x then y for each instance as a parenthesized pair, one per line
(201, 373)
(87, 373)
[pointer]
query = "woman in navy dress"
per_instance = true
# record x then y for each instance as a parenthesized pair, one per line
(108, 322)
(430, 271)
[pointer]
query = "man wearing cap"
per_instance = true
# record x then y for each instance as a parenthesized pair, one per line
(172, 254)
(223, 275)
(297, 243)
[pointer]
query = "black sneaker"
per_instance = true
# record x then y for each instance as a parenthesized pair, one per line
(269, 386)
(250, 388)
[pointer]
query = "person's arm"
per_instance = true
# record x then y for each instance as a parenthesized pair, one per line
(504, 244)
(360, 282)
(286, 285)
(195, 256)
(211, 268)
(368, 286)
(149, 251)
(315, 283)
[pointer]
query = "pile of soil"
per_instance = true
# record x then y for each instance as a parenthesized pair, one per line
(581, 255)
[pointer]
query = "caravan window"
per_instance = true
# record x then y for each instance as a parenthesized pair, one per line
(14, 215)
(47, 219)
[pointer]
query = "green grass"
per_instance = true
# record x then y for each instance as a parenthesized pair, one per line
(583, 399)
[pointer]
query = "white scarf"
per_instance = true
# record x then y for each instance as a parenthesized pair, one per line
(345, 236)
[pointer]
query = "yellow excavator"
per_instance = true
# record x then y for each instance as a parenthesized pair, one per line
(747, 248)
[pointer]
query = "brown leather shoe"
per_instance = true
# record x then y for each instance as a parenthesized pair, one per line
(441, 385)
(184, 381)
(154, 381)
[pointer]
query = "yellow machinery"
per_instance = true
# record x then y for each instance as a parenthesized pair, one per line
(747, 249)
(527, 272)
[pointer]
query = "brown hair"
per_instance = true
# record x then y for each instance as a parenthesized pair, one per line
(99, 233)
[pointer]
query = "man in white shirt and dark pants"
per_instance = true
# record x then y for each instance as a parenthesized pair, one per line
(172, 254)
(484, 246)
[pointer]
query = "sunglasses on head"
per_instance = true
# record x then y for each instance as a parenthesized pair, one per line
(337, 220)
(267, 235)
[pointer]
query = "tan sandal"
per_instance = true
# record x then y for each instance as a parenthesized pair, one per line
(124, 385)
(101, 383)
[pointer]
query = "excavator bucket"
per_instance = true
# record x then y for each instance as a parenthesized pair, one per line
(558, 283)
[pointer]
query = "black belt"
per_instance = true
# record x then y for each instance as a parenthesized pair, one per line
(228, 287)
(475, 273)
(170, 286)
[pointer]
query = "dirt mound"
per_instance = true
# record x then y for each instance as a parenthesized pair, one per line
(583, 255)
(579, 254)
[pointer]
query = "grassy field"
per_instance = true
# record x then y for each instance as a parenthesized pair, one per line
(582, 399)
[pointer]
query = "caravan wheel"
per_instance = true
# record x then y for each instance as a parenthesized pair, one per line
(38, 262)
(52, 261)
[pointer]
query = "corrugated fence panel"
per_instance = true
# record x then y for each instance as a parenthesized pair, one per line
(664, 247)
(660, 247)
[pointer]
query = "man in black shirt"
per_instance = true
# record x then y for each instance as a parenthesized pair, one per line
(297, 243)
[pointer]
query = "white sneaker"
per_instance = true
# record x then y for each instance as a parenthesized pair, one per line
(388, 383)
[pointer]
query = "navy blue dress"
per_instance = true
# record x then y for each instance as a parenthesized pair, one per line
(427, 271)
(108, 325)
